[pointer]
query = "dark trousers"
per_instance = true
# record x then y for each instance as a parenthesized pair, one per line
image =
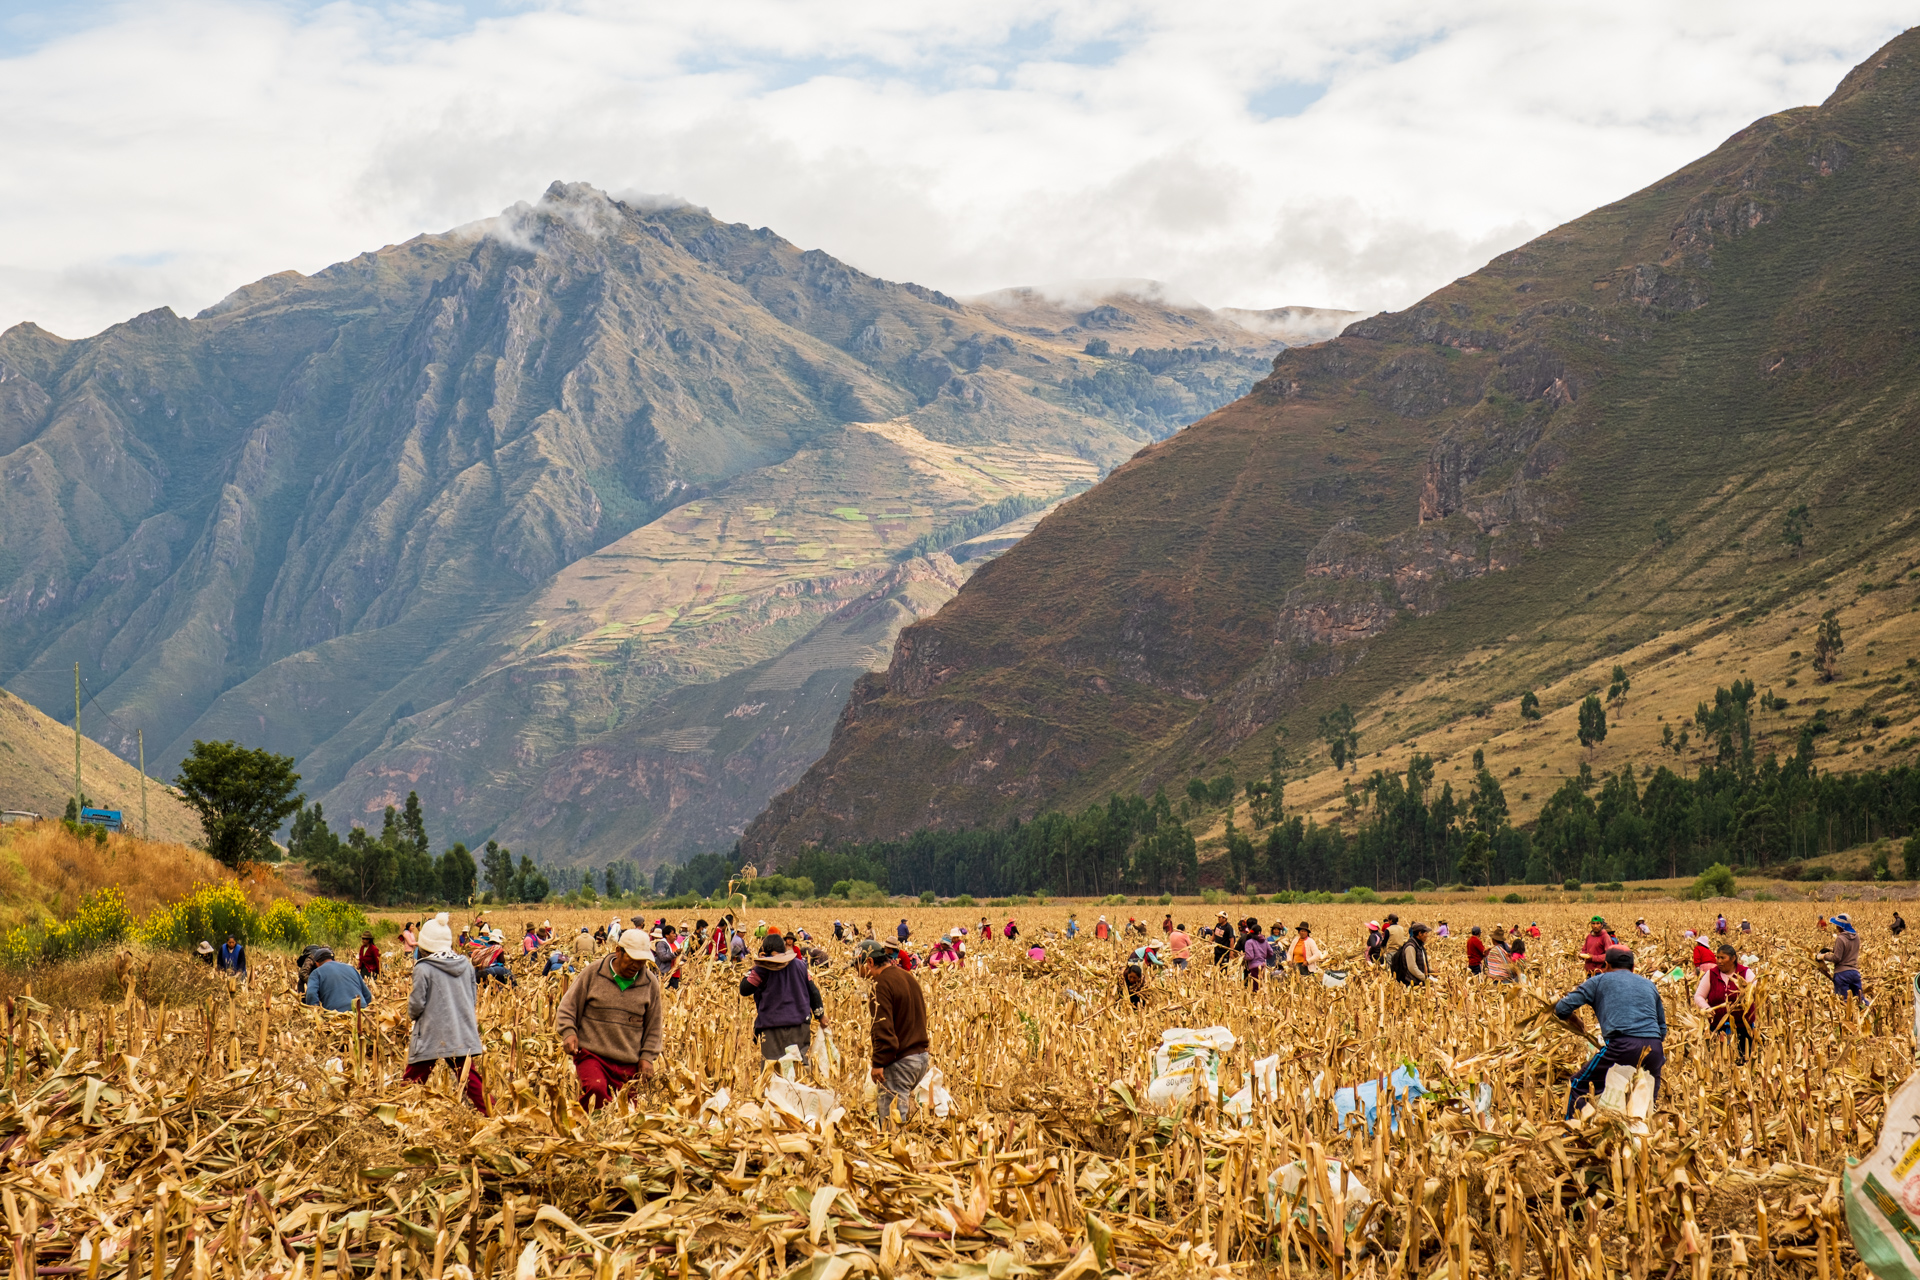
(1847, 983)
(476, 1087)
(600, 1079)
(1621, 1051)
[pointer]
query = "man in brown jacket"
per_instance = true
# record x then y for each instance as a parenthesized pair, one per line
(610, 1020)
(900, 1058)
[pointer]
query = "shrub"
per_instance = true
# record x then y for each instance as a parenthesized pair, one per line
(1360, 893)
(1570, 884)
(928, 897)
(1114, 900)
(102, 921)
(332, 922)
(208, 914)
(1513, 897)
(1212, 897)
(282, 926)
(1715, 882)
(964, 900)
(1423, 886)
(1166, 899)
(1611, 886)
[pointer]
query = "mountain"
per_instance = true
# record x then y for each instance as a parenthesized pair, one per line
(494, 515)
(1595, 450)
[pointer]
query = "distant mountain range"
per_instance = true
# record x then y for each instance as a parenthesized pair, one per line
(1689, 420)
(581, 522)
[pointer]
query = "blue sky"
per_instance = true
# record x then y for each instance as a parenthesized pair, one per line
(166, 152)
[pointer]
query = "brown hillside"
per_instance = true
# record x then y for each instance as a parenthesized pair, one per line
(36, 774)
(1582, 454)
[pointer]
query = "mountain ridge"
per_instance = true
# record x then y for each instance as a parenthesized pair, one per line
(1600, 406)
(368, 517)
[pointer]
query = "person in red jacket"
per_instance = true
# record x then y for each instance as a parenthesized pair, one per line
(1476, 951)
(1593, 949)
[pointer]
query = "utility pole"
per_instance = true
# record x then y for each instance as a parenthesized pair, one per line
(77, 801)
(140, 736)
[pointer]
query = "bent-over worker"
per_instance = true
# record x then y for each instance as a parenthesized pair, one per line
(610, 1021)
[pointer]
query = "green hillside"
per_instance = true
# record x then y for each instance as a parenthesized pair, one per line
(1584, 453)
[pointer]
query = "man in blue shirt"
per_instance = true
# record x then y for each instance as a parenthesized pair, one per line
(1633, 1022)
(336, 986)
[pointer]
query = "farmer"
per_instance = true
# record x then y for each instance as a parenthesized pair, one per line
(1396, 936)
(1899, 926)
(900, 1058)
(610, 1020)
(1222, 935)
(1101, 929)
(204, 953)
(232, 957)
(784, 999)
(336, 986)
(409, 939)
(1179, 946)
(445, 1025)
(1502, 962)
(1011, 930)
(1633, 1023)
(368, 961)
(584, 947)
(1409, 962)
(945, 951)
(1593, 948)
(1476, 951)
(1721, 995)
(1255, 953)
(1073, 926)
(1376, 939)
(1305, 952)
(1641, 925)
(1843, 955)
(901, 931)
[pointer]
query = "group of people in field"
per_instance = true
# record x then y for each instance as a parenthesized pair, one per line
(610, 1017)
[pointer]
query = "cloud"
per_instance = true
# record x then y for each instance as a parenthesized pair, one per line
(1290, 153)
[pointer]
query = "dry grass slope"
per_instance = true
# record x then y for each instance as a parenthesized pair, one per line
(36, 774)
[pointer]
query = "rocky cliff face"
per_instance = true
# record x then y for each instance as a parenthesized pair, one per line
(1494, 461)
(458, 515)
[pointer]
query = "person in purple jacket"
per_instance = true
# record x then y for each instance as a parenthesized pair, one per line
(1256, 953)
(785, 998)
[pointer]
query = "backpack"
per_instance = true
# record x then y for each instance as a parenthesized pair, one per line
(1401, 966)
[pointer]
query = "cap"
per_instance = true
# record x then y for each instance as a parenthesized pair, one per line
(1597, 920)
(1619, 958)
(1417, 927)
(635, 944)
(872, 950)
(955, 932)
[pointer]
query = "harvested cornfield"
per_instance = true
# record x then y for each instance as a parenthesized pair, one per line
(244, 1135)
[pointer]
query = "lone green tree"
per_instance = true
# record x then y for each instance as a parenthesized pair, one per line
(1529, 705)
(1793, 530)
(1593, 724)
(1827, 644)
(1617, 690)
(1342, 739)
(242, 796)
(1476, 860)
(496, 864)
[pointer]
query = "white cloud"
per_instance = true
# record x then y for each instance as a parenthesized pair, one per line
(169, 152)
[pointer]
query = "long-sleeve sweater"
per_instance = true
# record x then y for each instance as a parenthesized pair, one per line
(1844, 954)
(899, 1016)
(441, 1005)
(623, 1027)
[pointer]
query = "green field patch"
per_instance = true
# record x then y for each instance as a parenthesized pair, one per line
(849, 513)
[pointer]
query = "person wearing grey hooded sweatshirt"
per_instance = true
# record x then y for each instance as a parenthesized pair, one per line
(446, 1027)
